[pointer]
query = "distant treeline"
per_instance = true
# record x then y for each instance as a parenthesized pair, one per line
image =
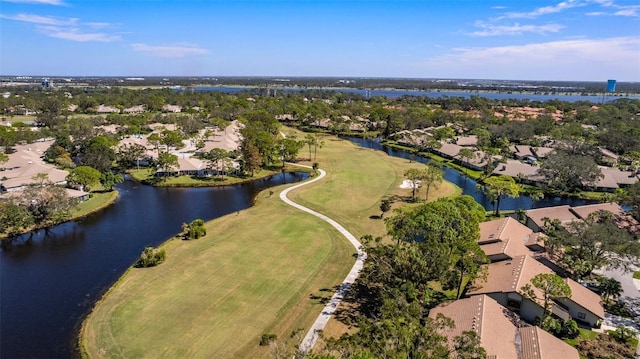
(577, 87)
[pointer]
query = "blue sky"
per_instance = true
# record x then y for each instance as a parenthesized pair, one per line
(590, 40)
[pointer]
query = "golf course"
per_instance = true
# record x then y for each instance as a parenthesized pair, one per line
(264, 270)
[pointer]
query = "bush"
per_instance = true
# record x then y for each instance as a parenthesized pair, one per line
(194, 230)
(604, 346)
(151, 257)
(561, 329)
(267, 338)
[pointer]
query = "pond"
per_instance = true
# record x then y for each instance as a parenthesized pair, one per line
(469, 186)
(49, 281)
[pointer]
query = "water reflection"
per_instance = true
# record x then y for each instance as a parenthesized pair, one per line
(49, 280)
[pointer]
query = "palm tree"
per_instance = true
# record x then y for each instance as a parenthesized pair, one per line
(610, 288)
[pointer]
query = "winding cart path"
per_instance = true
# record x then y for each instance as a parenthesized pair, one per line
(312, 335)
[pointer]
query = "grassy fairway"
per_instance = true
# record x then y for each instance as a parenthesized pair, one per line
(254, 273)
(357, 179)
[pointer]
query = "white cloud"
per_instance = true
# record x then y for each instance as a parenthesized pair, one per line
(562, 6)
(576, 59)
(170, 50)
(97, 25)
(65, 28)
(628, 11)
(516, 29)
(75, 34)
(46, 2)
(42, 20)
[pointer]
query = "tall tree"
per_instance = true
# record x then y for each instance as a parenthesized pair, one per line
(14, 219)
(497, 187)
(466, 155)
(431, 176)
(385, 206)
(48, 203)
(413, 176)
(566, 172)
(216, 158)
(551, 287)
(167, 162)
(84, 176)
(251, 158)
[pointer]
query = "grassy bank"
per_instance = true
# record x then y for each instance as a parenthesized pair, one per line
(98, 201)
(147, 176)
(263, 270)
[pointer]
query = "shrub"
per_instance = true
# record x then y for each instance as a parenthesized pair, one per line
(267, 338)
(151, 257)
(604, 346)
(194, 230)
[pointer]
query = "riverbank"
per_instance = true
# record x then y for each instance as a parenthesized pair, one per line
(479, 175)
(97, 202)
(147, 176)
(267, 269)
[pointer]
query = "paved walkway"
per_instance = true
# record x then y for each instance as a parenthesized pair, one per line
(312, 335)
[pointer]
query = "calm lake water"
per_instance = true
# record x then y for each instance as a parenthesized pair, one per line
(48, 283)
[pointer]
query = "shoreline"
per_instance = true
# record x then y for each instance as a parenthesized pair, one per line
(114, 196)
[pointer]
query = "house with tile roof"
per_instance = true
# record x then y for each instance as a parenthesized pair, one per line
(500, 331)
(536, 217)
(505, 281)
(506, 238)
(567, 214)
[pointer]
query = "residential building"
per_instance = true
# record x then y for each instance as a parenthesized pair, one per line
(500, 331)
(506, 238)
(505, 281)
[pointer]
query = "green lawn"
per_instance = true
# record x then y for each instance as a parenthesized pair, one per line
(97, 201)
(584, 334)
(254, 272)
(148, 175)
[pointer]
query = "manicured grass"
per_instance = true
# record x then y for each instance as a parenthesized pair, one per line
(215, 296)
(584, 334)
(256, 272)
(97, 201)
(636, 275)
(357, 179)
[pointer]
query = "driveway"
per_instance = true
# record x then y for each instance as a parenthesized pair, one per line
(626, 279)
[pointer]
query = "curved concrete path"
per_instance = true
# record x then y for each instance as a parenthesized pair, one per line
(312, 335)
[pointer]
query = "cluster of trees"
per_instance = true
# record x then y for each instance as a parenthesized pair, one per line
(40, 205)
(435, 249)
(579, 247)
(429, 176)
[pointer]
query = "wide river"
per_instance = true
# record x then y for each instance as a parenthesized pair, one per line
(48, 283)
